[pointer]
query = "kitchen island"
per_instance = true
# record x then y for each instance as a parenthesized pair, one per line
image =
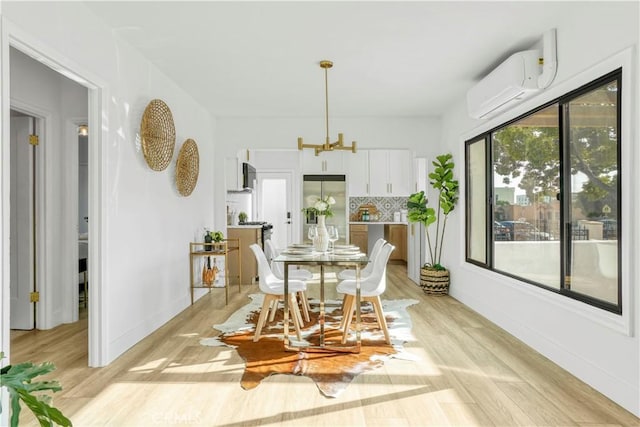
(365, 233)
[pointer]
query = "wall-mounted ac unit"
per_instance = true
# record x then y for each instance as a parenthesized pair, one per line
(513, 80)
(521, 75)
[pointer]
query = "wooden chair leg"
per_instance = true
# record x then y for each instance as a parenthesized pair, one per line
(346, 300)
(295, 315)
(297, 306)
(263, 315)
(377, 306)
(304, 302)
(272, 310)
(348, 316)
(375, 313)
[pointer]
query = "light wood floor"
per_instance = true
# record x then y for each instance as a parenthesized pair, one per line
(469, 373)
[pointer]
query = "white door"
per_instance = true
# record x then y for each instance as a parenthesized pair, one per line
(274, 205)
(21, 224)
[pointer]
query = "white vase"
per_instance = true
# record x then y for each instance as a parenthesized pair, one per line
(321, 241)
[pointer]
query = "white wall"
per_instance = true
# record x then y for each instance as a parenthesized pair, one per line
(598, 347)
(146, 224)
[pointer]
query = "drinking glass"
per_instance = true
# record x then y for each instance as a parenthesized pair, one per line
(312, 232)
(332, 230)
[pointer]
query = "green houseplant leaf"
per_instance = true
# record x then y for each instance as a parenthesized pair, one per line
(441, 179)
(19, 381)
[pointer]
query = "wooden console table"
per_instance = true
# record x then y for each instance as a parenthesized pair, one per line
(214, 249)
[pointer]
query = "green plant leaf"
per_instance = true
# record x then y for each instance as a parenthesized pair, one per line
(43, 412)
(442, 180)
(19, 381)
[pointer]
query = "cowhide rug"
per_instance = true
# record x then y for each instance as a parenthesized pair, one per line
(331, 371)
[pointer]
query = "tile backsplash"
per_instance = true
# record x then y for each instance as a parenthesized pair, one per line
(386, 206)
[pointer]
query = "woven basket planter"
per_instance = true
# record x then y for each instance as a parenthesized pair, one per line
(434, 282)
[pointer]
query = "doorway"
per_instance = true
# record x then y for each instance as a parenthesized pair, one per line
(274, 205)
(44, 185)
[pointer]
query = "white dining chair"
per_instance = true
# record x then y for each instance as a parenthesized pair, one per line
(271, 252)
(371, 287)
(350, 273)
(273, 290)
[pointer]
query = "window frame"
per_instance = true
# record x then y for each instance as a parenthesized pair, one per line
(563, 102)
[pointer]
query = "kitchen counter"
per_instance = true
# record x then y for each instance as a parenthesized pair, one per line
(244, 226)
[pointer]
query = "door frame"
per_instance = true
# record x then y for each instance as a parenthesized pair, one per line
(70, 135)
(98, 96)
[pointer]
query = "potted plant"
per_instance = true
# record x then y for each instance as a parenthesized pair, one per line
(434, 277)
(212, 236)
(19, 381)
(209, 272)
(242, 217)
(321, 209)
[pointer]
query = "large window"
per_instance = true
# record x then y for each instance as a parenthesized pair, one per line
(543, 196)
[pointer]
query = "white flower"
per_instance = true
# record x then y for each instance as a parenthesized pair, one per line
(321, 206)
(311, 200)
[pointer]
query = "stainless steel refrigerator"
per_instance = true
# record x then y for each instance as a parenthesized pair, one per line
(326, 185)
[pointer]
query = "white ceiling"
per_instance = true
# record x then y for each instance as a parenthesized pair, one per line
(390, 58)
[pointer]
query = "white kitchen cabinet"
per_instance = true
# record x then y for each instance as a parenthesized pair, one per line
(327, 162)
(400, 172)
(420, 174)
(390, 172)
(233, 173)
(233, 169)
(357, 167)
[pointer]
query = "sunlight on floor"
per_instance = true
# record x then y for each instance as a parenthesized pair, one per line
(150, 366)
(189, 335)
(482, 374)
(427, 365)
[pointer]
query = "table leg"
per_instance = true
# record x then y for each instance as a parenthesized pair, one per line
(358, 306)
(321, 317)
(286, 305)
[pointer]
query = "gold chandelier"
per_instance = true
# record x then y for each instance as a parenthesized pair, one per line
(327, 146)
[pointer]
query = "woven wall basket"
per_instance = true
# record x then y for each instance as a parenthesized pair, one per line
(434, 282)
(187, 167)
(158, 135)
